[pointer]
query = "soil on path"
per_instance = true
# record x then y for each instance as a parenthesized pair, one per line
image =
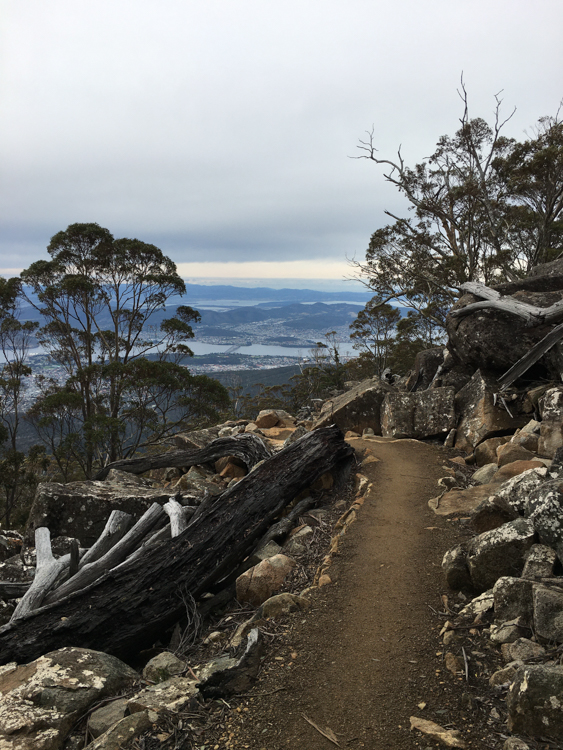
(367, 654)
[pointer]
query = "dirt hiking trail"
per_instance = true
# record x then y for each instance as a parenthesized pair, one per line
(367, 653)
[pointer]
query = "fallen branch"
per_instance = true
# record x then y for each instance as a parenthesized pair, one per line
(249, 448)
(530, 358)
(328, 733)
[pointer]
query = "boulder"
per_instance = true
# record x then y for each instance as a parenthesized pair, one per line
(423, 414)
(283, 604)
(499, 552)
(515, 492)
(196, 440)
(485, 473)
(515, 468)
(42, 700)
(540, 561)
(490, 514)
(545, 510)
(486, 452)
(495, 340)
(459, 501)
(426, 364)
(106, 716)
(482, 418)
(197, 481)
(356, 409)
(260, 582)
(267, 418)
(513, 599)
(299, 542)
(548, 612)
(454, 565)
(523, 650)
(81, 509)
(171, 696)
(535, 702)
(163, 666)
(551, 429)
(527, 440)
(123, 732)
(510, 452)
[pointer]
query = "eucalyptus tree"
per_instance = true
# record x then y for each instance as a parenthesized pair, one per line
(103, 302)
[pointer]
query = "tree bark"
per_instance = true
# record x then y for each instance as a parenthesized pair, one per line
(129, 608)
(249, 448)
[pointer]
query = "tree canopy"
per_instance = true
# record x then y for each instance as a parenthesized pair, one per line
(102, 301)
(484, 207)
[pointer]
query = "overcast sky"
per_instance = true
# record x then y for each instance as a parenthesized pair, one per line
(221, 130)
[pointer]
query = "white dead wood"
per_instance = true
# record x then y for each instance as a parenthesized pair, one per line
(531, 357)
(113, 557)
(178, 520)
(47, 571)
(532, 314)
(114, 530)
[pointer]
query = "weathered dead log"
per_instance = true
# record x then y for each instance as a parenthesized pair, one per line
(114, 530)
(532, 314)
(129, 608)
(530, 358)
(249, 448)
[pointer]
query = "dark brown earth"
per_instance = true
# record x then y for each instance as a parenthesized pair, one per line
(368, 654)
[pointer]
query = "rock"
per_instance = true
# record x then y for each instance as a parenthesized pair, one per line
(260, 582)
(356, 409)
(490, 514)
(540, 561)
(196, 440)
(423, 414)
(514, 469)
(233, 471)
(123, 732)
(486, 452)
(282, 604)
(548, 612)
(80, 509)
(514, 492)
(513, 599)
(477, 609)
(551, 429)
(510, 452)
(507, 632)
(494, 340)
(504, 676)
(41, 700)
(173, 695)
(485, 473)
(118, 479)
(267, 418)
(426, 364)
(270, 549)
(545, 510)
(105, 717)
(163, 666)
(453, 663)
(448, 737)
(499, 552)
(513, 743)
(527, 440)
(278, 433)
(234, 678)
(454, 565)
(523, 650)
(297, 433)
(458, 501)
(298, 543)
(535, 702)
(197, 481)
(481, 418)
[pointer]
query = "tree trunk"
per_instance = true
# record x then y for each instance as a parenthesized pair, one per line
(131, 607)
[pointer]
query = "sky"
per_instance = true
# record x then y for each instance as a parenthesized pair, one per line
(222, 130)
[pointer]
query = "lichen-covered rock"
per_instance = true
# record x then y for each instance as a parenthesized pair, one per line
(551, 429)
(548, 613)
(423, 414)
(481, 417)
(540, 561)
(356, 409)
(42, 699)
(513, 599)
(515, 492)
(544, 508)
(535, 702)
(81, 509)
(499, 552)
(121, 733)
(523, 650)
(172, 695)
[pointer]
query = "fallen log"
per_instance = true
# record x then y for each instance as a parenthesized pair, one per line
(130, 607)
(532, 314)
(249, 448)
